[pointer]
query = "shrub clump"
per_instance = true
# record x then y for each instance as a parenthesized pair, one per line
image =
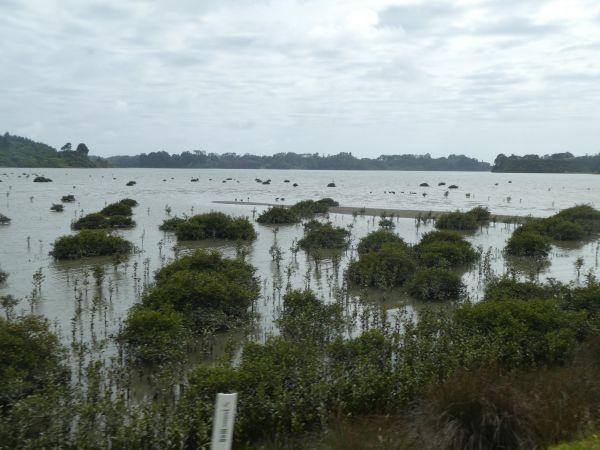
(154, 336)
(527, 243)
(308, 208)
(117, 209)
(4, 220)
(41, 179)
(57, 208)
(215, 225)
(436, 284)
(31, 359)
(278, 215)
(390, 266)
(463, 221)
(171, 224)
(3, 276)
(445, 249)
(319, 235)
(197, 294)
(307, 318)
(68, 198)
(90, 243)
(533, 238)
(376, 239)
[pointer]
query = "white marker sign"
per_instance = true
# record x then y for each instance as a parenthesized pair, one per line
(223, 421)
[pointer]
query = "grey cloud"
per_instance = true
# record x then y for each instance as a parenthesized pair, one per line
(416, 18)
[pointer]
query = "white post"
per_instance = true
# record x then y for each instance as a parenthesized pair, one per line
(223, 421)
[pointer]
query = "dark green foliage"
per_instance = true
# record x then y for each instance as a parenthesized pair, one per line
(526, 243)
(463, 221)
(57, 208)
(436, 284)
(41, 179)
(3, 276)
(120, 222)
(4, 220)
(308, 208)
(387, 224)
(572, 224)
(524, 332)
(556, 163)
(306, 317)
(329, 202)
(93, 221)
(388, 267)
(215, 225)
(117, 209)
(128, 202)
(512, 289)
(278, 215)
(319, 235)
(208, 301)
(211, 291)
(90, 243)
(31, 358)
(375, 239)
(68, 198)
(154, 336)
(131, 183)
(171, 224)
(445, 249)
(331, 185)
(341, 161)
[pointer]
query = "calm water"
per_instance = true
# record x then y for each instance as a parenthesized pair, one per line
(68, 286)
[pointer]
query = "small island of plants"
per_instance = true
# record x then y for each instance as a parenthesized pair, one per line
(212, 225)
(90, 243)
(115, 215)
(323, 236)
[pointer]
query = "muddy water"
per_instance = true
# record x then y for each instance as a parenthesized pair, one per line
(69, 296)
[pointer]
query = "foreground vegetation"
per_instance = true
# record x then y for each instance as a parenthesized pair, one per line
(507, 372)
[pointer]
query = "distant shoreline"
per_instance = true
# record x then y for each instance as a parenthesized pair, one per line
(401, 213)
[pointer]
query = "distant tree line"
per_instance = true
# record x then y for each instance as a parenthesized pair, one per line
(556, 163)
(17, 151)
(308, 161)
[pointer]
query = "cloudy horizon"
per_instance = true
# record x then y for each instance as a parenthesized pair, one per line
(473, 77)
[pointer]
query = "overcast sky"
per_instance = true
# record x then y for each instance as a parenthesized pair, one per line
(477, 77)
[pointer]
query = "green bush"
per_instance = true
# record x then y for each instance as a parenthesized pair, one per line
(90, 243)
(215, 225)
(4, 220)
(329, 202)
(211, 292)
(389, 267)
(153, 336)
(128, 202)
(512, 289)
(435, 284)
(387, 224)
(319, 235)
(57, 208)
(445, 249)
(306, 317)
(456, 221)
(463, 221)
(120, 222)
(308, 208)
(171, 224)
(524, 333)
(278, 215)
(68, 198)
(93, 221)
(528, 244)
(117, 209)
(31, 359)
(376, 239)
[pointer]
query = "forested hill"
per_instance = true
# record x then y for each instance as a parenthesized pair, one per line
(16, 151)
(556, 163)
(310, 161)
